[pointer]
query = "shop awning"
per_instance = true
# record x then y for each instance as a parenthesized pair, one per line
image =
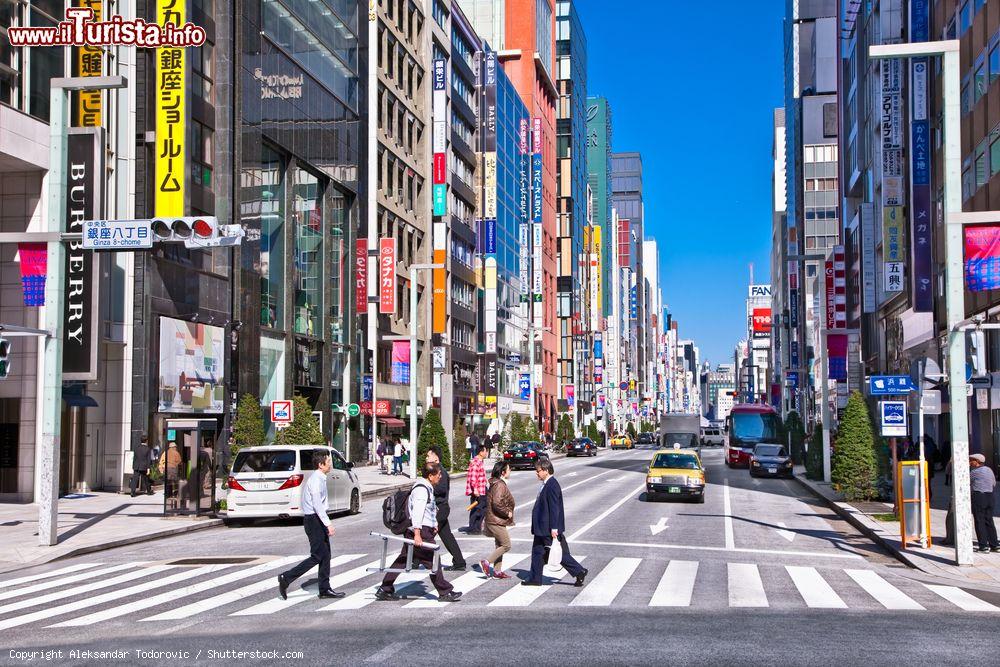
(392, 422)
(79, 401)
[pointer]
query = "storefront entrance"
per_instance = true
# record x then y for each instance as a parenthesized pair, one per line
(187, 463)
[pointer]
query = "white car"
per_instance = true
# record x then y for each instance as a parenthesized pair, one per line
(713, 436)
(267, 482)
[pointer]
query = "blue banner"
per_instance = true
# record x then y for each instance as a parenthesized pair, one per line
(366, 389)
(524, 385)
(491, 236)
(922, 285)
(536, 187)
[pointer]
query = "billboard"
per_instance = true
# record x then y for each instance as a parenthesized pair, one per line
(171, 116)
(761, 322)
(190, 367)
(400, 369)
(982, 258)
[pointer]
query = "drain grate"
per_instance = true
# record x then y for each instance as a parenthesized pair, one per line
(212, 561)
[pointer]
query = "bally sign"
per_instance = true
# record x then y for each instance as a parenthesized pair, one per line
(387, 276)
(83, 202)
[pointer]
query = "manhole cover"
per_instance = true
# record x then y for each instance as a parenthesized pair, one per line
(212, 561)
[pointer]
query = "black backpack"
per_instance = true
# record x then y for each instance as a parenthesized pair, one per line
(395, 511)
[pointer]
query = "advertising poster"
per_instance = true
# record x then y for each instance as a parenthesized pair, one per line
(400, 372)
(171, 128)
(982, 258)
(191, 367)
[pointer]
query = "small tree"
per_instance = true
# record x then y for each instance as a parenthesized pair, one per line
(248, 426)
(630, 430)
(507, 435)
(594, 434)
(564, 430)
(459, 454)
(814, 456)
(304, 429)
(523, 428)
(793, 426)
(855, 470)
(432, 434)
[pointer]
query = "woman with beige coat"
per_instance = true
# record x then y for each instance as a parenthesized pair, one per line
(499, 515)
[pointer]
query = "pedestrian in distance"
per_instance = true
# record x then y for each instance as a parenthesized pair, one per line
(380, 453)
(495, 443)
(397, 457)
(475, 488)
(318, 528)
(405, 461)
(983, 482)
(140, 468)
(548, 523)
(473, 445)
(441, 491)
(499, 515)
(422, 511)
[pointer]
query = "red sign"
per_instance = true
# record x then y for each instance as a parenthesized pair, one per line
(440, 169)
(382, 408)
(761, 321)
(282, 412)
(831, 309)
(361, 276)
(387, 276)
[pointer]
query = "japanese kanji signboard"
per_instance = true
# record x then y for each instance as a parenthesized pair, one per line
(171, 124)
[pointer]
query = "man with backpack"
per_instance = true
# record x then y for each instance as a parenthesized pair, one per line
(420, 525)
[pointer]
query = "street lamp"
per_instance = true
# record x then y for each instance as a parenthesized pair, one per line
(949, 51)
(532, 330)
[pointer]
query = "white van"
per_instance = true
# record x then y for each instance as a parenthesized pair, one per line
(267, 482)
(713, 435)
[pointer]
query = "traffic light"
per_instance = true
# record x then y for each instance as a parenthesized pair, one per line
(195, 232)
(975, 353)
(4, 358)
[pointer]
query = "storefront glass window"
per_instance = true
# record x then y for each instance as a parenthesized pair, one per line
(272, 369)
(271, 198)
(307, 213)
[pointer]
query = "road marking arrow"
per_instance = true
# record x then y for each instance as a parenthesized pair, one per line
(571, 474)
(659, 527)
(787, 534)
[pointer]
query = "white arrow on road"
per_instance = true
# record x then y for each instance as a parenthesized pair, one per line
(659, 527)
(787, 534)
(571, 474)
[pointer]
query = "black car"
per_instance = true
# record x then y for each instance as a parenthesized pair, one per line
(524, 454)
(770, 461)
(581, 447)
(646, 439)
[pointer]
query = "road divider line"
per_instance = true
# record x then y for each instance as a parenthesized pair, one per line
(727, 509)
(48, 575)
(677, 585)
(814, 589)
(608, 583)
(962, 599)
(600, 517)
(522, 596)
(884, 593)
(745, 587)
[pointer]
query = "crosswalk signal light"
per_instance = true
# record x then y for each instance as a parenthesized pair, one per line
(4, 358)
(194, 231)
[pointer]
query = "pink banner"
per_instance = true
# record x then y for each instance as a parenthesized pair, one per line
(34, 263)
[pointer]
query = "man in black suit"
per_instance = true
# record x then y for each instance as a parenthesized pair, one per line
(548, 522)
(140, 468)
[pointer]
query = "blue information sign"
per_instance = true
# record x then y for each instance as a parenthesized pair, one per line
(890, 385)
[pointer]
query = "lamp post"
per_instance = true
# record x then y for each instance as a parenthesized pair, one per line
(532, 329)
(949, 51)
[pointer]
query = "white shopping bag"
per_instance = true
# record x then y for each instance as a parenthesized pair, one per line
(555, 556)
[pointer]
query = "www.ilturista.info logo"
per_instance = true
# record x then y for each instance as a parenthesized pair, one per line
(80, 29)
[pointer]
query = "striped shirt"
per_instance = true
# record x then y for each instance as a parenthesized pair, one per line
(982, 479)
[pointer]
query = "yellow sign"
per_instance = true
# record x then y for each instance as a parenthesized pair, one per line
(89, 62)
(171, 123)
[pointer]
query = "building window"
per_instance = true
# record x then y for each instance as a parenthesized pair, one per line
(980, 79)
(994, 60)
(995, 151)
(965, 16)
(269, 192)
(982, 172)
(440, 13)
(202, 147)
(202, 66)
(307, 213)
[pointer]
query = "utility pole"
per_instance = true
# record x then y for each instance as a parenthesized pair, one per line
(372, 217)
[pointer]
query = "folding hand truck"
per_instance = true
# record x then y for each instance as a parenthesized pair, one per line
(383, 567)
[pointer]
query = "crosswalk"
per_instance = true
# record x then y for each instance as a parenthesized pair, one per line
(87, 594)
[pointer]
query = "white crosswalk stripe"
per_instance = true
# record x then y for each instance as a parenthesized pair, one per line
(885, 593)
(48, 575)
(137, 573)
(48, 585)
(745, 587)
(170, 596)
(604, 588)
(232, 596)
(962, 599)
(677, 585)
(814, 589)
(467, 583)
(522, 596)
(301, 595)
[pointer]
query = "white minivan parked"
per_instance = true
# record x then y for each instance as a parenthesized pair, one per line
(267, 482)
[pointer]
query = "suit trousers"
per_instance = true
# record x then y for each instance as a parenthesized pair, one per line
(140, 480)
(423, 557)
(448, 538)
(319, 553)
(538, 547)
(982, 517)
(477, 513)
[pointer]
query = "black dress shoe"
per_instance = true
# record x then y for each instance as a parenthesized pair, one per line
(983, 550)
(528, 582)
(282, 587)
(580, 577)
(383, 595)
(457, 567)
(454, 596)
(331, 595)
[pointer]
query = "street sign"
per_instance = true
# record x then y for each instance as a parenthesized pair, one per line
(890, 385)
(893, 418)
(623, 386)
(931, 401)
(117, 235)
(353, 410)
(793, 378)
(282, 412)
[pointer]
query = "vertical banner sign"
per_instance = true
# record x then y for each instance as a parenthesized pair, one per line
(893, 247)
(982, 258)
(524, 179)
(361, 276)
(536, 210)
(893, 244)
(171, 124)
(400, 369)
(387, 276)
(869, 296)
(88, 61)
(828, 280)
(596, 279)
(84, 175)
(920, 167)
(439, 187)
(839, 287)
(439, 279)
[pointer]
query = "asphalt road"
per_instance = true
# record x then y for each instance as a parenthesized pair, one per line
(758, 574)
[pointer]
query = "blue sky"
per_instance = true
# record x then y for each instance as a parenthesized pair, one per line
(693, 87)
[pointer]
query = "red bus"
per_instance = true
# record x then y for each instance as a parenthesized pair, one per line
(746, 427)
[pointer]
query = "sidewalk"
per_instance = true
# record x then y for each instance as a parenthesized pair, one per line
(937, 560)
(88, 522)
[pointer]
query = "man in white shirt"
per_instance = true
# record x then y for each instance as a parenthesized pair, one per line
(423, 527)
(319, 530)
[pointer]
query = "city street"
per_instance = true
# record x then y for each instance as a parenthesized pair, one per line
(759, 573)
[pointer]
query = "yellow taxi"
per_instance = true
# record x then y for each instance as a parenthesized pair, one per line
(676, 472)
(621, 441)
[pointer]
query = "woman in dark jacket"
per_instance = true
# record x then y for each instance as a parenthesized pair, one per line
(499, 515)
